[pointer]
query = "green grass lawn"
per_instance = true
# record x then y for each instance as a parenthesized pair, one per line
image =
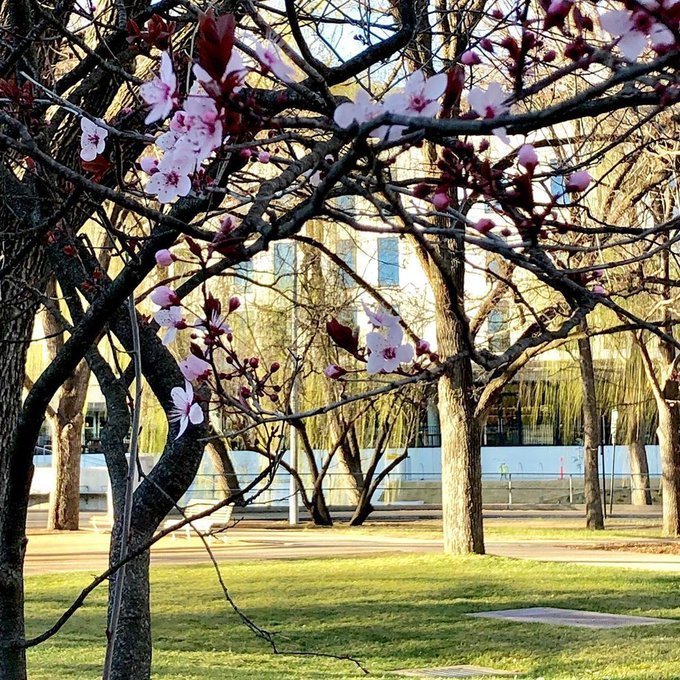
(389, 611)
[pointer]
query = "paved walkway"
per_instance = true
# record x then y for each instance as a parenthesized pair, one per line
(86, 551)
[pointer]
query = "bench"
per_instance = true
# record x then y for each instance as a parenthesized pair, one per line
(203, 525)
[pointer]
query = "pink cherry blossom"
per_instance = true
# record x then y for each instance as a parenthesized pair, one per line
(159, 94)
(269, 56)
(164, 296)
(264, 157)
(87, 7)
(172, 319)
(386, 351)
(484, 226)
(334, 371)
(599, 290)
(195, 368)
(185, 411)
(92, 139)
(422, 347)
(380, 318)
(218, 325)
(172, 178)
(634, 28)
(526, 157)
(419, 96)
(488, 103)
(579, 181)
(470, 58)
(149, 165)
(164, 258)
(441, 200)
(361, 110)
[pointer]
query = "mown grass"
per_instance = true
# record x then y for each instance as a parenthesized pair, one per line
(558, 530)
(389, 611)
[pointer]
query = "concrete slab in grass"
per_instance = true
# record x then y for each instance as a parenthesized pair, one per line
(570, 617)
(456, 672)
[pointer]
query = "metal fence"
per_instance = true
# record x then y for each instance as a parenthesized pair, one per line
(426, 489)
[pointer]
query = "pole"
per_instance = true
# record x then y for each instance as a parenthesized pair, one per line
(614, 421)
(293, 493)
(604, 471)
(611, 494)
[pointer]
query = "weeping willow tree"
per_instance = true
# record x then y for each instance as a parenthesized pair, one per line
(347, 453)
(620, 384)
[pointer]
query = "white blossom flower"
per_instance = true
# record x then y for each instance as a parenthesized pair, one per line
(92, 139)
(386, 351)
(185, 411)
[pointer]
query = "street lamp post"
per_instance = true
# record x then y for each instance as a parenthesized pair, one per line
(293, 495)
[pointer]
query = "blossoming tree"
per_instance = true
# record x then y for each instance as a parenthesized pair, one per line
(231, 129)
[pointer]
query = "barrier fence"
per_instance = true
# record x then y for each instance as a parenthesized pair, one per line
(426, 489)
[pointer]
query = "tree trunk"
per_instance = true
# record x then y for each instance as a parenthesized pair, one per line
(640, 491)
(362, 510)
(16, 472)
(318, 509)
(64, 511)
(224, 468)
(591, 435)
(461, 464)
(668, 433)
(17, 313)
(133, 651)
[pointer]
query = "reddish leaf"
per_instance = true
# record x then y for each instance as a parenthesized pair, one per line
(98, 167)
(343, 336)
(215, 43)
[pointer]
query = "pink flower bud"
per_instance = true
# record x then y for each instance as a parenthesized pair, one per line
(164, 296)
(470, 58)
(164, 258)
(579, 181)
(234, 304)
(527, 157)
(599, 290)
(485, 225)
(245, 153)
(333, 371)
(264, 156)
(422, 347)
(441, 201)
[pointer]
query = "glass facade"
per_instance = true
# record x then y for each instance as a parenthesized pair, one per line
(388, 261)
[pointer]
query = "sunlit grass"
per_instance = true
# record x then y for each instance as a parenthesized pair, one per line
(390, 611)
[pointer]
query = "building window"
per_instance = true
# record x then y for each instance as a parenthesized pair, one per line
(243, 274)
(388, 261)
(284, 263)
(558, 186)
(497, 330)
(347, 252)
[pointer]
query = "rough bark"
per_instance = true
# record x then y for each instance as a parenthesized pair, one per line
(14, 491)
(67, 425)
(640, 491)
(227, 479)
(349, 455)
(460, 433)
(64, 510)
(17, 312)
(668, 432)
(591, 436)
